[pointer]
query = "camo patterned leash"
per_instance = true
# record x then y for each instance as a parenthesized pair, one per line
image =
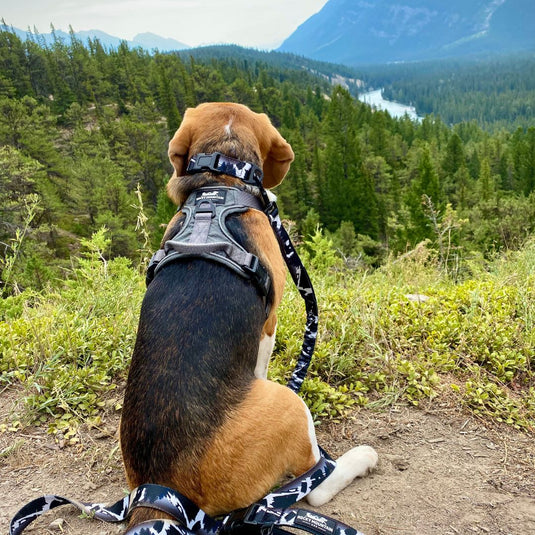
(252, 175)
(304, 286)
(268, 515)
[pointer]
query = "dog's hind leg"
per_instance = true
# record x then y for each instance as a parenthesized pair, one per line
(265, 348)
(356, 462)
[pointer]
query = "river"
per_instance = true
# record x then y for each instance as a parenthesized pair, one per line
(395, 109)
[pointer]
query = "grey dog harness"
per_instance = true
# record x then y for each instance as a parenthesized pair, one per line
(205, 234)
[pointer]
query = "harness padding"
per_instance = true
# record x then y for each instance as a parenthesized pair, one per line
(205, 234)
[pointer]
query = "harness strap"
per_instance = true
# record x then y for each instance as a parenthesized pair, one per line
(204, 213)
(242, 258)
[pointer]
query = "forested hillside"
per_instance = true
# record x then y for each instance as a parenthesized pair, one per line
(399, 222)
(82, 128)
(498, 93)
(403, 31)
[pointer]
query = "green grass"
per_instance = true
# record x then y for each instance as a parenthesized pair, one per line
(469, 344)
(471, 341)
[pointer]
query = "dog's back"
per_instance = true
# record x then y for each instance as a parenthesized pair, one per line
(193, 361)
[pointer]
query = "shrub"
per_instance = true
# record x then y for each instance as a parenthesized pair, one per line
(71, 346)
(406, 332)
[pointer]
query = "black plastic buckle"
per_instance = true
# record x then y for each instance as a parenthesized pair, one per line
(247, 521)
(215, 161)
(259, 275)
(204, 162)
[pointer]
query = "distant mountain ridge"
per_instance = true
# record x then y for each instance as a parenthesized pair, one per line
(147, 41)
(354, 32)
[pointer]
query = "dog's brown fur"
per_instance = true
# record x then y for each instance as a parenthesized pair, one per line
(195, 416)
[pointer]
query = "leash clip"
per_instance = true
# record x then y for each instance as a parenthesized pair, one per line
(271, 209)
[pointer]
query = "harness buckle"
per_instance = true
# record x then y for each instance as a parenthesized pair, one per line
(259, 275)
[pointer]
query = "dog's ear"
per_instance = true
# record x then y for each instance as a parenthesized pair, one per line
(179, 146)
(178, 155)
(278, 159)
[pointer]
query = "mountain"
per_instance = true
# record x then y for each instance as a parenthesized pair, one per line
(356, 32)
(148, 41)
(151, 41)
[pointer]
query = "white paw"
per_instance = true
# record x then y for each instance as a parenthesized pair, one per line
(357, 462)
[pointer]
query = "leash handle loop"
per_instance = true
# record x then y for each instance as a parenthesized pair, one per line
(34, 509)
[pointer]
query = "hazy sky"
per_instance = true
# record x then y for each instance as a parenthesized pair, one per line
(255, 23)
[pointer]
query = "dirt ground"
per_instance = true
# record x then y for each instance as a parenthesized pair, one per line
(440, 472)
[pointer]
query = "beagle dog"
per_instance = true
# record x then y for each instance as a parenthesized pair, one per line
(199, 414)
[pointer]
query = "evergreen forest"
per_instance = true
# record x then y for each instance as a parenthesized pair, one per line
(84, 132)
(498, 92)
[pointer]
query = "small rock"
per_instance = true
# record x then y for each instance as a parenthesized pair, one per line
(401, 464)
(57, 525)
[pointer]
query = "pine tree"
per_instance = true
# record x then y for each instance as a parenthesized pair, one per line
(486, 183)
(424, 186)
(454, 157)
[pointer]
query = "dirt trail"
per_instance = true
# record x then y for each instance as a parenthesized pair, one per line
(439, 473)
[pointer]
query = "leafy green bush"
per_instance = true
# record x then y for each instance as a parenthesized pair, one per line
(408, 332)
(71, 346)
(405, 332)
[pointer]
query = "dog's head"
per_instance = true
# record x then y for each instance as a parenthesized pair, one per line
(234, 130)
